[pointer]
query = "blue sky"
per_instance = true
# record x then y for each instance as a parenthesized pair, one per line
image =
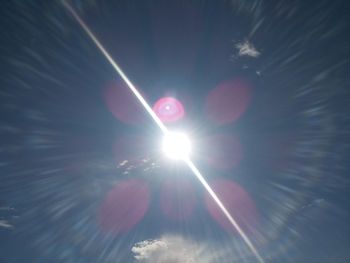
(263, 86)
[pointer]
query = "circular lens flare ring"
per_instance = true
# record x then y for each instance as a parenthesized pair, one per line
(161, 125)
(176, 145)
(169, 109)
(228, 101)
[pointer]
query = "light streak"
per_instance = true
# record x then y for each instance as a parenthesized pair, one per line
(223, 209)
(164, 129)
(115, 66)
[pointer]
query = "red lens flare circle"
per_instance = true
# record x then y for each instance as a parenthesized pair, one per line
(169, 109)
(228, 101)
(123, 104)
(238, 203)
(124, 206)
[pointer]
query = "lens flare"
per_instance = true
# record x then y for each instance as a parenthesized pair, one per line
(169, 109)
(164, 129)
(228, 101)
(122, 104)
(224, 210)
(237, 202)
(124, 206)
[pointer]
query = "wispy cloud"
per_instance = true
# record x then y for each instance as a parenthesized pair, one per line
(5, 224)
(247, 49)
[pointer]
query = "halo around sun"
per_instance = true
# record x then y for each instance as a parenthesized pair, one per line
(176, 145)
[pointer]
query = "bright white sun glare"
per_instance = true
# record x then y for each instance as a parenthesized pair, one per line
(176, 145)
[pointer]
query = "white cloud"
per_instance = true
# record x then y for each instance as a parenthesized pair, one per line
(5, 224)
(177, 249)
(247, 49)
(146, 249)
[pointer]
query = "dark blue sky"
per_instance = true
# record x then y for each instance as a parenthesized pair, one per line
(63, 149)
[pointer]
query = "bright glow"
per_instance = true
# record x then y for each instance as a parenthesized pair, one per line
(176, 145)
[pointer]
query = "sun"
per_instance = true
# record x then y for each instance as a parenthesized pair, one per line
(176, 145)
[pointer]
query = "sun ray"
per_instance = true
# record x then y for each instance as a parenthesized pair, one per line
(115, 65)
(164, 129)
